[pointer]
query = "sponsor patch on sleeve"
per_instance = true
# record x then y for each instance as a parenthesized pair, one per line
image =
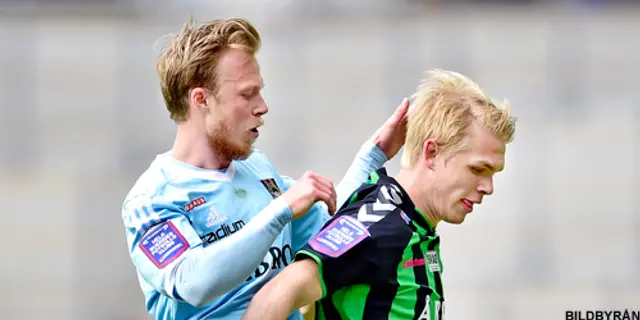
(339, 237)
(163, 244)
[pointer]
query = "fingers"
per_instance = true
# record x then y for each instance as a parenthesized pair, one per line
(324, 189)
(404, 105)
(327, 193)
(401, 113)
(329, 200)
(403, 110)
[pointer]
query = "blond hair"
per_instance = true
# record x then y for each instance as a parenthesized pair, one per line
(444, 108)
(191, 59)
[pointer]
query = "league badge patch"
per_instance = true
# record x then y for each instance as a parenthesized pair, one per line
(341, 235)
(163, 244)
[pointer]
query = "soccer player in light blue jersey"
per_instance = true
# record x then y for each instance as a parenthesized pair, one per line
(212, 220)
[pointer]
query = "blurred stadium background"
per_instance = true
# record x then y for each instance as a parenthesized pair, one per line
(81, 117)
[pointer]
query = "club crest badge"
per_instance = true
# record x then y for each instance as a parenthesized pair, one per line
(272, 187)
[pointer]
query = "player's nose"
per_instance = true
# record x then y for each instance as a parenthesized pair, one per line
(486, 186)
(261, 108)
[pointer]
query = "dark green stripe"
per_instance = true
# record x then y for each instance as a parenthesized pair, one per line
(430, 276)
(319, 311)
(405, 301)
(381, 297)
(350, 302)
(384, 297)
(421, 279)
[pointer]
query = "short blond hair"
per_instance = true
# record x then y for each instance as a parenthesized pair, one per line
(444, 108)
(191, 59)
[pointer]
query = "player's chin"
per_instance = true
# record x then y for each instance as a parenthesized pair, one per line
(244, 154)
(455, 218)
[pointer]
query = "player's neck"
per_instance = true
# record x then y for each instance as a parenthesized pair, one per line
(409, 181)
(192, 146)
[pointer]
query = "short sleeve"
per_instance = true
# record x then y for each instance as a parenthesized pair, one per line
(349, 251)
(159, 236)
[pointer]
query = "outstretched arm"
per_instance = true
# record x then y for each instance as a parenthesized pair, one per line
(296, 286)
(383, 145)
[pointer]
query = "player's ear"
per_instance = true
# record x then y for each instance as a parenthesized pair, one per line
(198, 98)
(430, 150)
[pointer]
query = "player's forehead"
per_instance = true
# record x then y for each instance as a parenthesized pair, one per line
(485, 150)
(490, 158)
(249, 83)
(240, 70)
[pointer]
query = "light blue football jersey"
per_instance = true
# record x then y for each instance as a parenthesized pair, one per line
(175, 207)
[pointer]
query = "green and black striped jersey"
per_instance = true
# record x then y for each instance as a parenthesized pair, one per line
(378, 257)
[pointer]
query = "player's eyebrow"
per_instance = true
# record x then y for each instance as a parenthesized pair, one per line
(252, 86)
(488, 166)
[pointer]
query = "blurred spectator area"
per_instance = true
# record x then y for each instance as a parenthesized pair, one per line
(81, 117)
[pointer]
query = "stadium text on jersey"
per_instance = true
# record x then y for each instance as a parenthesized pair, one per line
(223, 231)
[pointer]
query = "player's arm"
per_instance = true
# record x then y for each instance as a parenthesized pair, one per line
(296, 286)
(169, 255)
(188, 271)
(383, 145)
(369, 158)
(373, 154)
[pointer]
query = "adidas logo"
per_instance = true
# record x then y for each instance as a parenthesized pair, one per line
(214, 218)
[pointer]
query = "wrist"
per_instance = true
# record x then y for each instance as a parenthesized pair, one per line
(379, 144)
(283, 209)
(373, 149)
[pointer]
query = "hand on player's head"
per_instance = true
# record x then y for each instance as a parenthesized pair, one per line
(390, 137)
(308, 190)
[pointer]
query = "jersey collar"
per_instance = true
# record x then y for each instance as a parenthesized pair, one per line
(169, 163)
(407, 205)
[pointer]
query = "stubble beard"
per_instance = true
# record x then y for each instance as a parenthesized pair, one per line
(226, 148)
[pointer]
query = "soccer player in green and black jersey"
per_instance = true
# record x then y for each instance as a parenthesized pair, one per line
(379, 256)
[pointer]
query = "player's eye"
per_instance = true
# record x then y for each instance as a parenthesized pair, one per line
(247, 95)
(477, 170)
